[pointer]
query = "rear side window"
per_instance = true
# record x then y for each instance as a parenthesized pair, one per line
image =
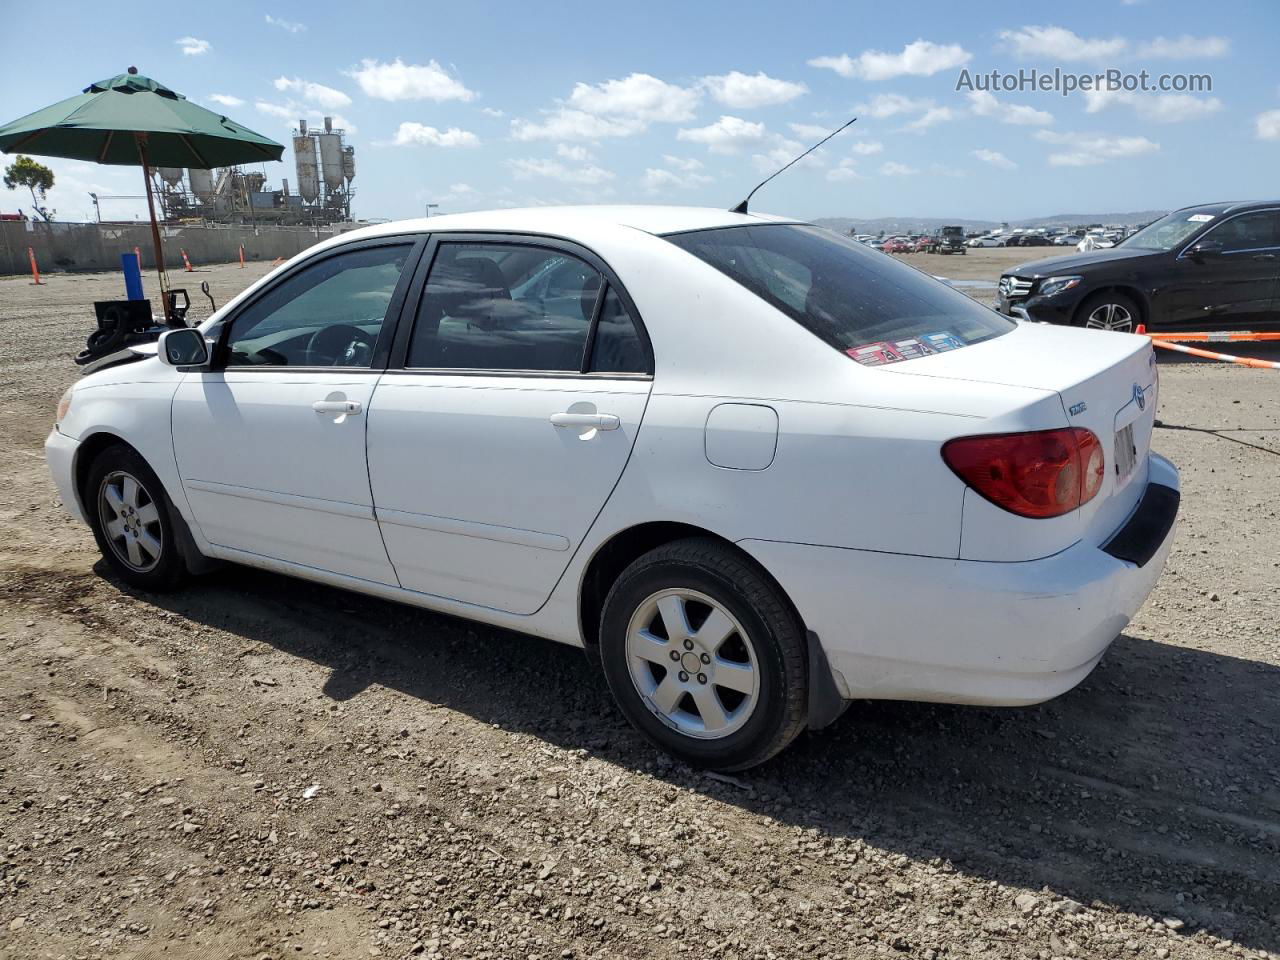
(497, 306)
(617, 347)
(860, 301)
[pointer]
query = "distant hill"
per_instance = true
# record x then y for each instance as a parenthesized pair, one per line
(928, 224)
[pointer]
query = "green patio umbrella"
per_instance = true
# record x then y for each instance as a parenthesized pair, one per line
(132, 120)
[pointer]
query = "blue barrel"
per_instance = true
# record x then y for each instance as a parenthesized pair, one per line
(132, 276)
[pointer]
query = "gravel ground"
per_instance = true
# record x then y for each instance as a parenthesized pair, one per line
(258, 767)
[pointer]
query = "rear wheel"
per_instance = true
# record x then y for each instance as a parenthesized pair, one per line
(1108, 311)
(704, 655)
(133, 520)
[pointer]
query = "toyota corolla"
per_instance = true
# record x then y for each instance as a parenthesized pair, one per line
(753, 467)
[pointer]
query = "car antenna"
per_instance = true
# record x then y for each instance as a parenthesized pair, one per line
(742, 207)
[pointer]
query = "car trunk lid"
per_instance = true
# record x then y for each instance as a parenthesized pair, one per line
(1106, 381)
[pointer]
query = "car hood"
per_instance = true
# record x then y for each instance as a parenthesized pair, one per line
(1056, 266)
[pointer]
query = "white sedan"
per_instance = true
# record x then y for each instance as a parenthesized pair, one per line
(754, 468)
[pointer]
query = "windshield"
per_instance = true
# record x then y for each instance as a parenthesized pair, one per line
(862, 302)
(1169, 232)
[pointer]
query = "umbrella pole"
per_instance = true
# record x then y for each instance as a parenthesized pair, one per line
(155, 232)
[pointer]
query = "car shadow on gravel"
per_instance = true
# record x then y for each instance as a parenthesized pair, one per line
(1154, 787)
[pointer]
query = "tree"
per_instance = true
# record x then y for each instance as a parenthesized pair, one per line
(36, 177)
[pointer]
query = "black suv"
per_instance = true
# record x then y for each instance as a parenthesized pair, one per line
(1211, 267)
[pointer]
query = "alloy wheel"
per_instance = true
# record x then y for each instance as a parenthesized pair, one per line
(130, 520)
(1110, 316)
(692, 663)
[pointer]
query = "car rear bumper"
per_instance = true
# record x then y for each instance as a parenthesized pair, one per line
(60, 454)
(918, 628)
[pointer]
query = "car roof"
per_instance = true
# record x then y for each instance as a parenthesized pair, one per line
(1228, 206)
(566, 221)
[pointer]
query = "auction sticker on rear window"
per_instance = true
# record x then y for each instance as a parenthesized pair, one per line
(909, 348)
(875, 354)
(1200, 218)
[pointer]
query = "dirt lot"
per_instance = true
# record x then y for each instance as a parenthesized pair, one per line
(258, 767)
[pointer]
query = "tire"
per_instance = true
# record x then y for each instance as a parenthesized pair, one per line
(1094, 312)
(748, 699)
(133, 520)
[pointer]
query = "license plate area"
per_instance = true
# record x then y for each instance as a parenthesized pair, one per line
(1126, 454)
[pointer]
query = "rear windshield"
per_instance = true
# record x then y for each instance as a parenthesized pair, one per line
(859, 300)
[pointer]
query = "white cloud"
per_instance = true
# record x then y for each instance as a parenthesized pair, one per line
(1059, 43)
(866, 148)
(1088, 149)
(894, 169)
(418, 134)
(565, 124)
(192, 47)
(687, 164)
(891, 104)
(615, 108)
(576, 153)
(492, 112)
(226, 100)
(809, 131)
(287, 25)
(684, 176)
(639, 97)
(782, 151)
(1185, 47)
(995, 158)
(1159, 108)
(1268, 125)
(922, 58)
(985, 104)
(317, 93)
(930, 117)
(293, 111)
(741, 91)
(727, 135)
(409, 81)
(844, 170)
(529, 167)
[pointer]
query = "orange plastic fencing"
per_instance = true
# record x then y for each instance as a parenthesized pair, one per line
(1216, 336)
(1225, 357)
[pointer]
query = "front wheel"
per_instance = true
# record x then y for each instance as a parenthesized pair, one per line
(1108, 311)
(133, 520)
(704, 655)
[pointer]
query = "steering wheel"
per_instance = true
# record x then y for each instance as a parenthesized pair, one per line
(341, 345)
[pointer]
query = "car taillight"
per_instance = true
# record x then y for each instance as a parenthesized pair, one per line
(1045, 473)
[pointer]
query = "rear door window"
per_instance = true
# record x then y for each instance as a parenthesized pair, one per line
(860, 301)
(502, 306)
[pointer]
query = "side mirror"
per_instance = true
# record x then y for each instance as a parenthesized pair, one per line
(183, 348)
(1206, 248)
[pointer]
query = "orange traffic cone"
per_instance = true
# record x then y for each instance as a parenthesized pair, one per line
(186, 263)
(242, 256)
(35, 271)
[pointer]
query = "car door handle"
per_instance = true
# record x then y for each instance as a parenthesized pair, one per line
(336, 406)
(601, 421)
(1264, 256)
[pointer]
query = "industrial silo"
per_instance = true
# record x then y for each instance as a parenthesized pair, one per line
(170, 175)
(330, 156)
(349, 164)
(201, 183)
(304, 152)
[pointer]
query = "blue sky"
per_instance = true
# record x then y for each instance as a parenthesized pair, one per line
(476, 105)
